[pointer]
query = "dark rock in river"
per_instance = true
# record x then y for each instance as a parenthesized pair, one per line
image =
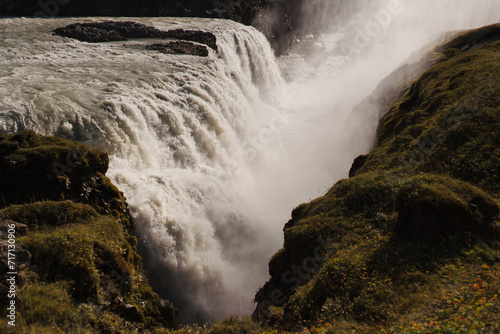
(180, 47)
(281, 21)
(202, 37)
(109, 31)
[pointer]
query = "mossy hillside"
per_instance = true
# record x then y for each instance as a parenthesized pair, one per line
(357, 218)
(447, 121)
(36, 168)
(91, 262)
(93, 257)
(412, 239)
(49, 214)
(84, 274)
(72, 250)
(460, 296)
(392, 88)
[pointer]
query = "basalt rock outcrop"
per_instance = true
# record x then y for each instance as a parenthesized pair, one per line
(180, 47)
(109, 31)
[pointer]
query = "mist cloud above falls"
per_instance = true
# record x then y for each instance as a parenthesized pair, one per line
(359, 48)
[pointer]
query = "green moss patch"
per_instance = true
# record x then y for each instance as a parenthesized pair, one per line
(447, 121)
(89, 259)
(39, 168)
(49, 214)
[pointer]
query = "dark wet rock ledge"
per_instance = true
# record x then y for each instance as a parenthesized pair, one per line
(193, 42)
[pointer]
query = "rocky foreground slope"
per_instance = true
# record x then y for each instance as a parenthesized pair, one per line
(76, 261)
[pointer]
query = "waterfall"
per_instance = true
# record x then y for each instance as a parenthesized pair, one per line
(182, 133)
(213, 153)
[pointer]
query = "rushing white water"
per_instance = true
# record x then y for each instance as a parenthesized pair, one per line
(212, 153)
(184, 134)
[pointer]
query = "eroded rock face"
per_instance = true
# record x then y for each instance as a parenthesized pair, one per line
(180, 47)
(108, 31)
(198, 36)
(357, 164)
(95, 32)
(38, 168)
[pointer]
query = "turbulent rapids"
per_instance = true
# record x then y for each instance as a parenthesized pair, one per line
(212, 152)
